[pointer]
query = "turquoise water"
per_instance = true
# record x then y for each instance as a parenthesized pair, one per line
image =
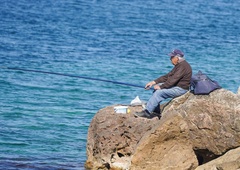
(44, 118)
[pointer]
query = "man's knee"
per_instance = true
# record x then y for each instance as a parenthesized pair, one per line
(159, 93)
(164, 93)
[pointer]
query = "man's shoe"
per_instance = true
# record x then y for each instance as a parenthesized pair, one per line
(145, 114)
(156, 115)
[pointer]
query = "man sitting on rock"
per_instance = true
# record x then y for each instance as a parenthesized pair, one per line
(173, 84)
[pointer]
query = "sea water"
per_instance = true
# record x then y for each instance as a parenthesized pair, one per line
(44, 118)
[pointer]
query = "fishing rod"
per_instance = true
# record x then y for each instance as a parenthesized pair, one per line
(71, 75)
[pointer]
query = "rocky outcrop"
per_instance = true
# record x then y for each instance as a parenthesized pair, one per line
(112, 138)
(193, 130)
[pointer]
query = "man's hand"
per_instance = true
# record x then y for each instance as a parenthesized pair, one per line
(150, 84)
(157, 87)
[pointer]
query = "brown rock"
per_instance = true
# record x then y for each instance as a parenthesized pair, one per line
(213, 120)
(112, 137)
(193, 130)
(166, 147)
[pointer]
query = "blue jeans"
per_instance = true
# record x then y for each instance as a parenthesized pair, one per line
(162, 94)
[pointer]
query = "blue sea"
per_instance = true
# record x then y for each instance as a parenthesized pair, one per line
(44, 118)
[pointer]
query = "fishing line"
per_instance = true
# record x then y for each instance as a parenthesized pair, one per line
(71, 75)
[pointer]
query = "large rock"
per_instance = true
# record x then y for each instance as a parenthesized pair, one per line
(112, 138)
(193, 130)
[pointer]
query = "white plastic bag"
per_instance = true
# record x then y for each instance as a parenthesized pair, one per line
(137, 101)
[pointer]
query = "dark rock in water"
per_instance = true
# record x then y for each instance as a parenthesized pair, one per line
(193, 130)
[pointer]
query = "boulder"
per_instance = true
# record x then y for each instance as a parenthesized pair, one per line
(193, 130)
(113, 137)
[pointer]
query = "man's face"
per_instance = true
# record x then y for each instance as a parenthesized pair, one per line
(174, 60)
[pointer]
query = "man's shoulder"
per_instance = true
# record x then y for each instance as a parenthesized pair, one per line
(183, 63)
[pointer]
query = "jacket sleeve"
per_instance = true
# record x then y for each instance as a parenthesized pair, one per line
(173, 78)
(162, 79)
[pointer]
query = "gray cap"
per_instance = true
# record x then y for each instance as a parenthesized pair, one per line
(176, 52)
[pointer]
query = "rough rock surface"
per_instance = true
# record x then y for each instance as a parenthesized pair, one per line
(193, 130)
(112, 137)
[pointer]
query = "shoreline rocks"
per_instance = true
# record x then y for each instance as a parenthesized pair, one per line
(113, 137)
(194, 130)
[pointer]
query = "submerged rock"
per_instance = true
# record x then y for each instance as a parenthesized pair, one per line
(193, 130)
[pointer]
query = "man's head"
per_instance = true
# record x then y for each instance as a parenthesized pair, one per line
(175, 56)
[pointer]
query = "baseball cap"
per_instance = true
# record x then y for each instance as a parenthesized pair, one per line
(176, 52)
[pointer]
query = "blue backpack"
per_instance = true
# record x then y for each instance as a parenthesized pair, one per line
(202, 84)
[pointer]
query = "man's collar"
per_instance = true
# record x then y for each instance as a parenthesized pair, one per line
(181, 59)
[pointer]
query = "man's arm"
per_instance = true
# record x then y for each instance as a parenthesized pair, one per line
(173, 78)
(154, 82)
(162, 79)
